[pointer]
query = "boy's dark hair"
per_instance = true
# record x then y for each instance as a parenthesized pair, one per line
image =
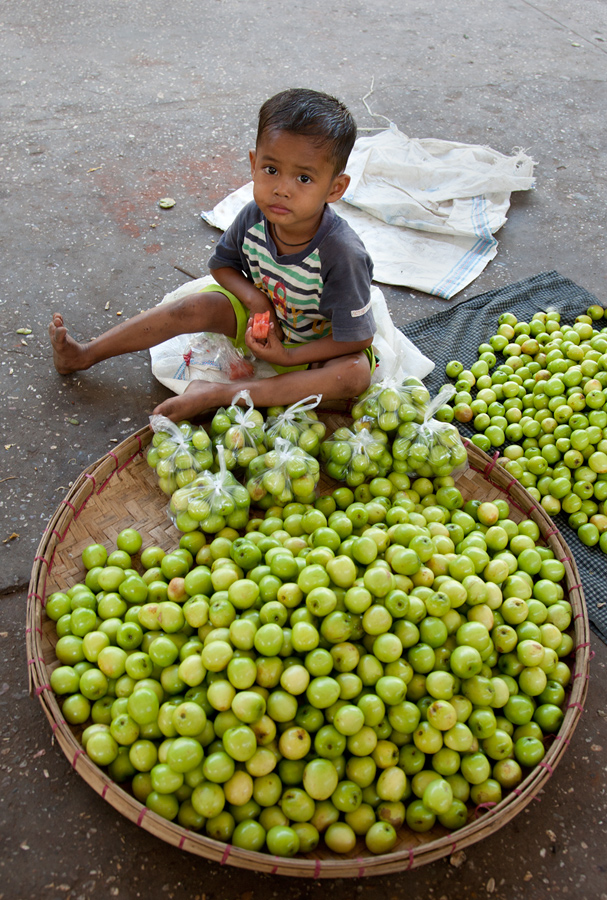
(316, 115)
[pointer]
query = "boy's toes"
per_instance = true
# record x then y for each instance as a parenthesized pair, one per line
(56, 322)
(199, 397)
(57, 334)
(56, 328)
(170, 408)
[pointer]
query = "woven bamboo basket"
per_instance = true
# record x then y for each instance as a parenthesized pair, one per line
(120, 490)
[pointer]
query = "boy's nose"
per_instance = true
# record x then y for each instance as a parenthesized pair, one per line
(281, 188)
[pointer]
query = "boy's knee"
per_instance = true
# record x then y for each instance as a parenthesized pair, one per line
(355, 376)
(206, 311)
(185, 307)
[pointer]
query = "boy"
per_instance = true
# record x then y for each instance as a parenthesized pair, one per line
(286, 252)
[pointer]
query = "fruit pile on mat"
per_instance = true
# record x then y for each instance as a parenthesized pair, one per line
(306, 669)
(546, 408)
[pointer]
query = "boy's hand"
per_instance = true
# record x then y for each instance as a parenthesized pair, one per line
(254, 299)
(271, 349)
(273, 318)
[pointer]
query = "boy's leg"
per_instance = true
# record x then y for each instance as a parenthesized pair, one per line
(204, 311)
(337, 379)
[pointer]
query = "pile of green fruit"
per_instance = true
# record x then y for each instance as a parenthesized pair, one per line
(547, 403)
(381, 659)
(178, 453)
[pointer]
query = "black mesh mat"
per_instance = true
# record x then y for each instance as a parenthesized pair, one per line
(456, 333)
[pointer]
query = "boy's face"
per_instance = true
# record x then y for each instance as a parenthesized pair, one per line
(292, 180)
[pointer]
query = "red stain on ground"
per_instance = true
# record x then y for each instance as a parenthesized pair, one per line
(118, 205)
(152, 248)
(132, 205)
(140, 59)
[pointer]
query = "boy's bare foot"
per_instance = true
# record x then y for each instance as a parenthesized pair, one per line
(68, 355)
(199, 397)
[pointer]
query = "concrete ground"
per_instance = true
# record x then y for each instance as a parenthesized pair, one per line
(109, 106)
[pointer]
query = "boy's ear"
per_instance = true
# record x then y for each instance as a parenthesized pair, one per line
(252, 158)
(339, 187)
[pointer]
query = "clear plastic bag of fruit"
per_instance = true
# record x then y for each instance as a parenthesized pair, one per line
(217, 357)
(298, 424)
(282, 475)
(211, 502)
(389, 403)
(431, 448)
(240, 431)
(356, 454)
(178, 453)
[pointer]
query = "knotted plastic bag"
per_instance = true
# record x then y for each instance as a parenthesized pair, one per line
(178, 453)
(298, 424)
(431, 448)
(282, 475)
(206, 356)
(391, 402)
(211, 502)
(356, 456)
(239, 431)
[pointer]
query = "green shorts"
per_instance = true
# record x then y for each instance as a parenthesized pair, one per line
(242, 318)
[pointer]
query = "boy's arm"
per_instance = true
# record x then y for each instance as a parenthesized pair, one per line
(312, 351)
(250, 296)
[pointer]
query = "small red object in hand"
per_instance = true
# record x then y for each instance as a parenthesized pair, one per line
(261, 326)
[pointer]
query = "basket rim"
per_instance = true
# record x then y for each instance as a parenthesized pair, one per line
(487, 818)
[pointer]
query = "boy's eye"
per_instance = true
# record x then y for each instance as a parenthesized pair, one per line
(270, 170)
(305, 179)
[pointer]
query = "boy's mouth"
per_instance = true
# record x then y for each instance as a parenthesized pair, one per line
(279, 210)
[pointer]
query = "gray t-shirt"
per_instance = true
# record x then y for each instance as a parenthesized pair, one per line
(322, 290)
